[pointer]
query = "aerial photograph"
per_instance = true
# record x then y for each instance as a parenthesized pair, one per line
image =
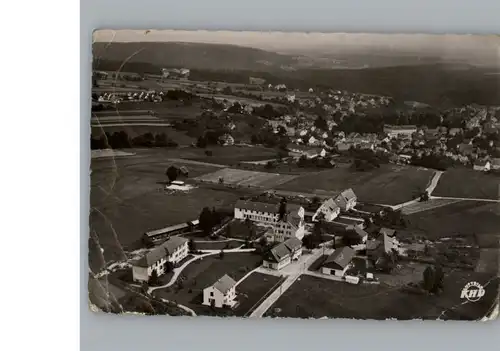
(294, 175)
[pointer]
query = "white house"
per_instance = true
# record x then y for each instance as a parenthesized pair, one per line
(484, 166)
(266, 214)
(338, 262)
(400, 131)
(312, 141)
(283, 254)
(221, 294)
(226, 139)
(346, 200)
(173, 250)
(328, 211)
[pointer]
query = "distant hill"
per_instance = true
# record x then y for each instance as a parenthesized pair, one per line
(191, 55)
(440, 85)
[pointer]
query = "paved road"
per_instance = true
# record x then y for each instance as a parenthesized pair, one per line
(430, 188)
(178, 271)
(294, 271)
(465, 199)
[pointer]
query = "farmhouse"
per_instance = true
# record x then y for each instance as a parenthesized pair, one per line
(173, 250)
(346, 200)
(283, 254)
(221, 294)
(328, 211)
(291, 225)
(404, 132)
(338, 262)
(482, 165)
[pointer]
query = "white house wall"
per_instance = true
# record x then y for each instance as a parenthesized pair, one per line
(140, 274)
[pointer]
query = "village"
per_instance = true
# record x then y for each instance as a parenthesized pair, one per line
(258, 199)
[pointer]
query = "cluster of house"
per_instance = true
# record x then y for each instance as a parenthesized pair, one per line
(175, 73)
(117, 97)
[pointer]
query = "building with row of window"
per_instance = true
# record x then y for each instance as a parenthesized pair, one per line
(281, 228)
(173, 250)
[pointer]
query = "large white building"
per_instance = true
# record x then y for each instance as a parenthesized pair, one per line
(266, 214)
(346, 200)
(404, 132)
(173, 250)
(221, 294)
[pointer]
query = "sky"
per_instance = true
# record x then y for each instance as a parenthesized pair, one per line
(479, 49)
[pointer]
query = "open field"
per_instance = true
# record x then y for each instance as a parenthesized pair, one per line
(313, 297)
(127, 199)
(232, 155)
(242, 178)
(202, 273)
(217, 245)
(388, 184)
(426, 205)
(468, 183)
(461, 218)
(253, 290)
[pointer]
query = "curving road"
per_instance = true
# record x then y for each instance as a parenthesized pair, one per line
(178, 271)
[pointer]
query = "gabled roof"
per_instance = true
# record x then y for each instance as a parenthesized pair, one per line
(293, 244)
(329, 205)
(167, 229)
(495, 161)
(340, 258)
(283, 250)
(173, 243)
(278, 253)
(257, 206)
(224, 284)
(151, 257)
(387, 231)
(346, 195)
(362, 233)
(480, 163)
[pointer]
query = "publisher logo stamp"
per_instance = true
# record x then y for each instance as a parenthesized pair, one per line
(473, 291)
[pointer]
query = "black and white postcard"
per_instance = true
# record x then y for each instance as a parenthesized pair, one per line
(295, 175)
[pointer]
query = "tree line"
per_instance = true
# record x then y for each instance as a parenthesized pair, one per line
(121, 140)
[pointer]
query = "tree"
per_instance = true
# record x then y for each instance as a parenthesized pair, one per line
(221, 254)
(282, 131)
(282, 209)
(201, 142)
(161, 140)
(316, 201)
(153, 279)
(321, 123)
(269, 165)
(172, 173)
(191, 245)
(424, 196)
(429, 278)
(206, 220)
(168, 266)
